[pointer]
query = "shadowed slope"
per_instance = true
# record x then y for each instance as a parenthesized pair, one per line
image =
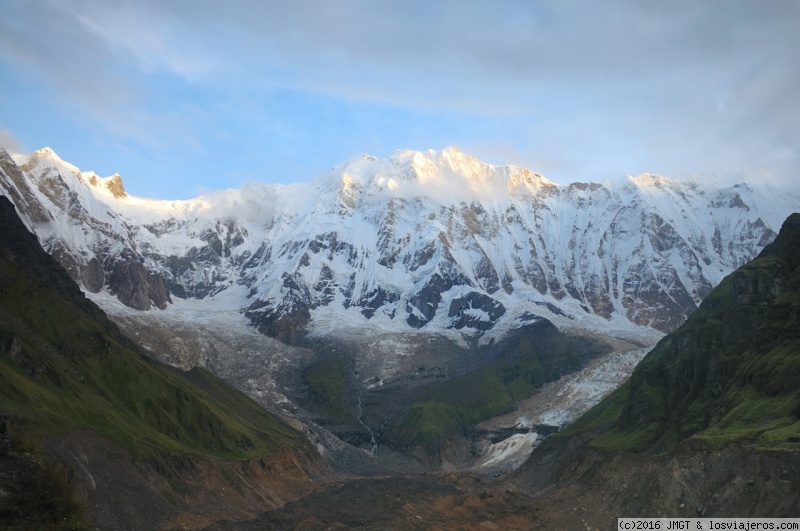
(116, 416)
(730, 374)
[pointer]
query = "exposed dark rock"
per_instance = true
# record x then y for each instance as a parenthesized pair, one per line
(348, 289)
(262, 254)
(461, 316)
(289, 328)
(17, 188)
(597, 296)
(487, 275)
(114, 185)
(325, 288)
(374, 300)
(550, 306)
(214, 242)
(135, 286)
(92, 276)
(426, 301)
(422, 256)
(285, 320)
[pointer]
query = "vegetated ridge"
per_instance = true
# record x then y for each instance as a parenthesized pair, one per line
(140, 437)
(709, 422)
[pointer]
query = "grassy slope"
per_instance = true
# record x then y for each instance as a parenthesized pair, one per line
(328, 383)
(539, 354)
(64, 365)
(731, 374)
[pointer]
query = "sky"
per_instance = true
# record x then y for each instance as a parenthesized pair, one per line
(185, 97)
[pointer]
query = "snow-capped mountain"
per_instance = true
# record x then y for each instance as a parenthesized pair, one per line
(432, 240)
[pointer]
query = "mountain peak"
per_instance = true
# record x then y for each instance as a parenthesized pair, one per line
(447, 174)
(113, 184)
(450, 166)
(47, 154)
(46, 157)
(649, 180)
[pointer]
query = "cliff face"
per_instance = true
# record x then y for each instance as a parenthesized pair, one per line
(709, 422)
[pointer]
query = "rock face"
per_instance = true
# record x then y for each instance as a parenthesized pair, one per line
(374, 244)
(475, 310)
(135, 286)
(93, 278)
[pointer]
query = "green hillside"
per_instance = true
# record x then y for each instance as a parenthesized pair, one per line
(64, 365)
(538, 353)
(730, 374)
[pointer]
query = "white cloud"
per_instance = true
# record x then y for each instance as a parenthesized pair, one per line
(9, 143)
(625, 86)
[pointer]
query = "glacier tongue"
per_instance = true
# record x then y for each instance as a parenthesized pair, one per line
(435, 241)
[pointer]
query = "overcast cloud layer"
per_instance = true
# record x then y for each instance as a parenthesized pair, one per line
(186, 96)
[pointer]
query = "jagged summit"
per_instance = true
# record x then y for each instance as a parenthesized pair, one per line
(46, 160)
(446, 175)
(649, 179)
(46, 156)
(46, 152)
(113, 184)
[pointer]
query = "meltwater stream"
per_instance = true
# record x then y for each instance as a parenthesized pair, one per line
(374, 450)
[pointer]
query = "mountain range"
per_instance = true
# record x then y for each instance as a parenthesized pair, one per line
(426, 273)
(401, 303)
(435, 241)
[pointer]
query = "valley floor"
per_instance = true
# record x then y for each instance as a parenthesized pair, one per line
(426, 502)
(589, 493)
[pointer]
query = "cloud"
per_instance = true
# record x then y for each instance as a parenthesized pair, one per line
(616, 87)
(43, 39)
(9, 143)
(451, 53)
